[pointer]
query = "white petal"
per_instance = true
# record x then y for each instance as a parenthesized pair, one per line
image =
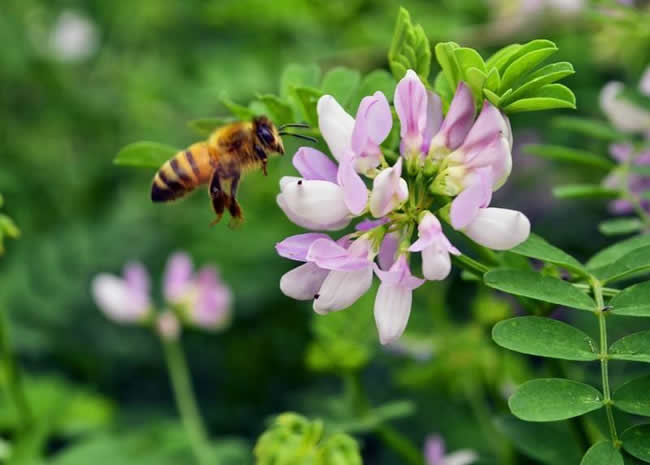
(392, 310)
(436, 263)
(335, 125)
(341, 289)
(303, 282)
(113, 297)
(461, 457)
(498, 228)
(317, 203)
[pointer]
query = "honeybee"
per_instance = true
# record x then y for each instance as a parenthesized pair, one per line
(229, 152)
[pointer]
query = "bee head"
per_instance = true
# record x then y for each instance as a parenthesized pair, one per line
(267, 135)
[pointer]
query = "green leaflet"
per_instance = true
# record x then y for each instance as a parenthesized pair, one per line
(537, 286)
(616, 251)
(635, 347)
(634, 396)
(567, 154)
(547, 97)
(585, 191)
(618, 226)
(589, 127)
(554, 399)
(602, 453)
(278, 110)
(544, 337)
(633, 301)
(341, 83)
(145, 154)
(636, 441)
(634, 262)
(538, 248)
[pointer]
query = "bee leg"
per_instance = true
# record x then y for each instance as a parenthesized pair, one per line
(235, 210)
(261, 154)
(218, 196)
(264, 167)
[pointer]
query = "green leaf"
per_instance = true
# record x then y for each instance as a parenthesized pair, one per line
(295, 75)
(617, 226)
(585, 191)
(589, 127)
(556, 152)
(536, 286)
(501, 57)
(554, 399)
(307, 99)
(524, 65)
(538, 248)
(476, 80)
(602, 453)
(448, 62)
(493, 80)
(550, 443)
(547, 97)
(441, 87)
(633, 301)
(409, 48)
(634, 396)
(205, 126)
(491, 96)
(546, 75)
(145, 154)
(469, 58)
(544, 337)
(378, 80)
(636, 441)
(525, 49)
(341, 83)
(239, 111)
(616, 251)
(637, 261)
(635, 347)
(278, 110)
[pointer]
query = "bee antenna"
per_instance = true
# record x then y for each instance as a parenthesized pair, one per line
(299, 136)
(293, 125)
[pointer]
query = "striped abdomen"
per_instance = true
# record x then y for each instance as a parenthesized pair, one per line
(182, 173)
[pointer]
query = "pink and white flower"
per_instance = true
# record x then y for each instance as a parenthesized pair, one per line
(456, 160)
(124, 299)
(435, 453)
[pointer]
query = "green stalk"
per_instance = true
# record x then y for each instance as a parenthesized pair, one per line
(185, 400)
(13, 377)
(602, 325)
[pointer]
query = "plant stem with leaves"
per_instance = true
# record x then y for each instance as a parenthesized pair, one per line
(602, 325)
(185, 400)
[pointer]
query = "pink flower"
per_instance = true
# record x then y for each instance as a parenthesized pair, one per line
(393, 301)
(389, 191)
(624, 114)
(203, 298)
(456, 125)
(435, 248)
(126, 299)
(434, 453)
(498, 228)
(419, 112)
(636, 184)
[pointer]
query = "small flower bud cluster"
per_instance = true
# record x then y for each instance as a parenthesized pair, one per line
(447, 170)
(197, 299)
(293, 440)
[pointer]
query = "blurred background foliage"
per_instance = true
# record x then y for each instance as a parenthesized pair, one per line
(81, 79)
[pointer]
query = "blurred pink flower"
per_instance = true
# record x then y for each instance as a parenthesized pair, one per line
(203, 298)
(124, 299)
(168, 326)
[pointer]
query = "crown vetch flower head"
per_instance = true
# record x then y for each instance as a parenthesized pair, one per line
(455, 162)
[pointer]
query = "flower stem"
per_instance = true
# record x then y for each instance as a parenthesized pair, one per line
(602, 325)
(185, 400)
(13, 377)
(470, 265)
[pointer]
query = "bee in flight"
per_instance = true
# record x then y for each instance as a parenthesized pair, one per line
(229, 152)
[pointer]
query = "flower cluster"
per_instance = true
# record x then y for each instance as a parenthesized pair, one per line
(448, 168)
(199, 299)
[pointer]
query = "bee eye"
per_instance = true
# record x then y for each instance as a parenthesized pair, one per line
(265, 134)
